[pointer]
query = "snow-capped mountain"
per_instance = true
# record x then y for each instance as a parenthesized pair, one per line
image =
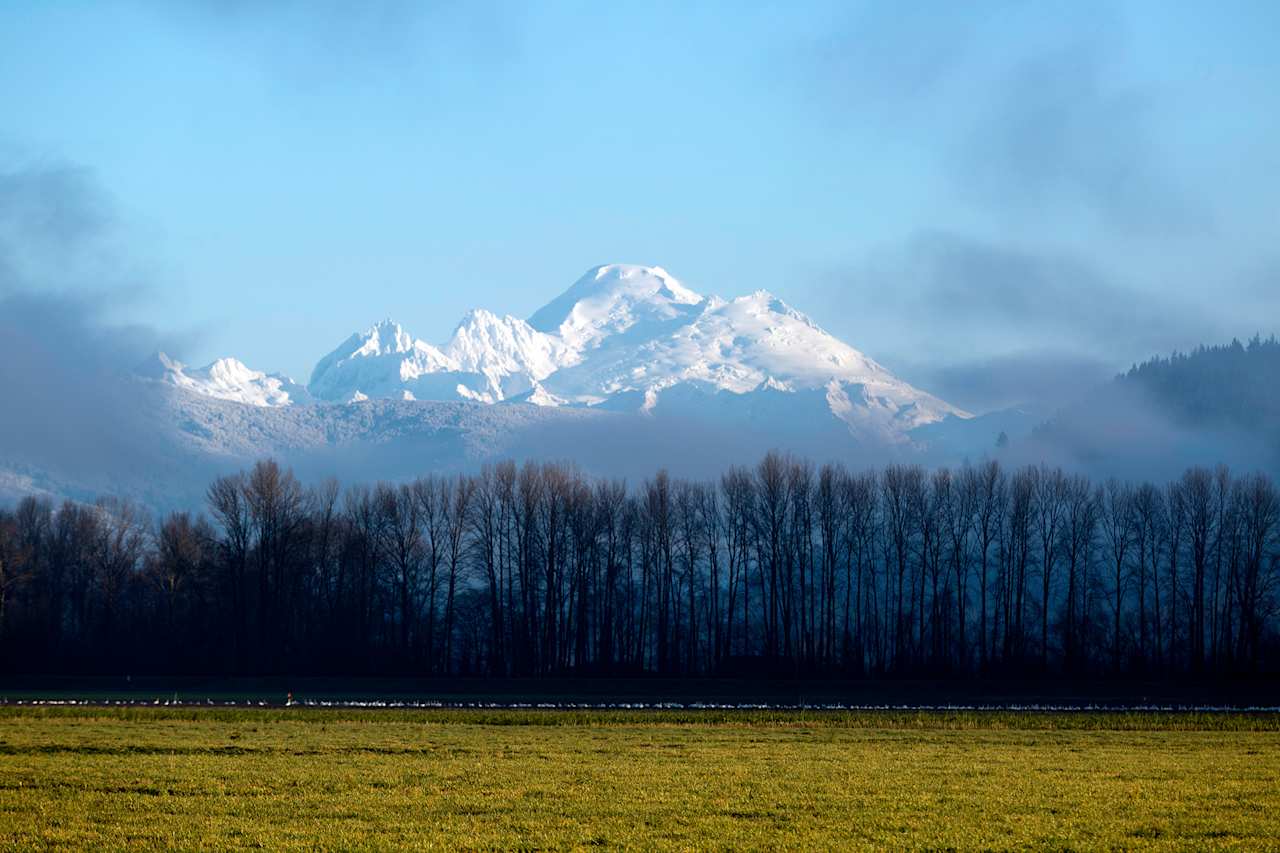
(384, 362)
(509, 352)
(226, 379)
(623, 338)
(628, 371)
(740, 347)
(487, 359)
(640, 302)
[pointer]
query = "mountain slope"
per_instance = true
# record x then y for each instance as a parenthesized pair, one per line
(744, 346)
(387, 362)
(507, 351)
(225, 379)
(622, 337)
(615, 299)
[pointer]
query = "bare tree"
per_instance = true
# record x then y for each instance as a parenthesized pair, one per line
(1050, 507)
(405, 551)
(1200, 525)
(992, 496)
(1117, 518)
(1081, 522)
(539, 570)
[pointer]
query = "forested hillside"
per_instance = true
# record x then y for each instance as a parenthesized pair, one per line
(778, 568)
(1213, 404)
(1237, 385)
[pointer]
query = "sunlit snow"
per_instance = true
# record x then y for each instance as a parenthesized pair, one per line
(620, 333)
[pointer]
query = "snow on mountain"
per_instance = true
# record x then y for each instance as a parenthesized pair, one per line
(385, 361)
(226, 379)
(616, 298)
(747, 345)
(622, 337)
(624, 372)
(509, 352)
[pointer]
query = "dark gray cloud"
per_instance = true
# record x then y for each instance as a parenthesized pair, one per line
(54, 228)
(961, 288)
(989, 325)
(1046, 137)
(54, 208)
(72, 424)
(1030, 110)
(1063, 136)
(62, 244)
(1038, 381)
(62, 359)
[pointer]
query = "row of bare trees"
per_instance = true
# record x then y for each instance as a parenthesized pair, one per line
(782, 568)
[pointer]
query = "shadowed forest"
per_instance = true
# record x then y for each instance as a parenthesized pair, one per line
(1232, 385)
(782, 568)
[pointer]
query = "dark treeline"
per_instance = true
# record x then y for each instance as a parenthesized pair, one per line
(781, 569)
(1236, 385)
(1224, 398)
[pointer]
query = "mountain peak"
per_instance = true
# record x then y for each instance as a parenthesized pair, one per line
(763, 302)
(158, 365)
(385, 336)
(225, 379)
(616, 298)
(641, 279)
(484, 318)
(507, 350)
(377, 362)
(230, 368)
(620, 334)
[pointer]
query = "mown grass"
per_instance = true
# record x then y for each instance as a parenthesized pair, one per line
(291, 778)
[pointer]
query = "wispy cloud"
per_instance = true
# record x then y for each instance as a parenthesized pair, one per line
(966, 288)
(328, 43)
(1063, 136)
(54, 228)
(1035, 380)
(1057, 183)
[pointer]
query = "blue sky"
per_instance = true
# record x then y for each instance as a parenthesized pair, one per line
(960, 190)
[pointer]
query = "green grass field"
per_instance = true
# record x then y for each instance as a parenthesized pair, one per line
(287, 778)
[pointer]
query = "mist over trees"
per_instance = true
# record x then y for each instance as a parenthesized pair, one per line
(1231, 385)
(783, 568)
(1220, 403)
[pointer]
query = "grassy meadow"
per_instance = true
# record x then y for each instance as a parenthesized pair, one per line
(306, 779)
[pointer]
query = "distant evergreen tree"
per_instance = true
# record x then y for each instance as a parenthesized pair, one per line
(1236, 385)
(1217, 391)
